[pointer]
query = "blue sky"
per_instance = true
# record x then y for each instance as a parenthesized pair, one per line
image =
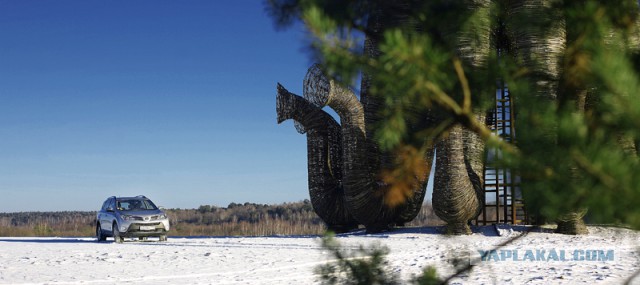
(171, 99)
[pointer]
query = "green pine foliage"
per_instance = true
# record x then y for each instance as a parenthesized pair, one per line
(361, 266)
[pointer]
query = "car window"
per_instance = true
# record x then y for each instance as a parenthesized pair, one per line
(150, 205)
(135, 205)
(105, 205)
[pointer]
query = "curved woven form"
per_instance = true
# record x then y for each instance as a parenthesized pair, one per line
(455, 199)
(324, 148)
(542, 52)
(344, 189)
(538, 52)
(458, 182)
(572, 223)
(359, 183)
(376, 159)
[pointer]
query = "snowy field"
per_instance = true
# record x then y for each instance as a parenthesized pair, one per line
(606, 256)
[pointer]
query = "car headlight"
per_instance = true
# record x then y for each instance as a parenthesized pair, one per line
(128, 218)
(162, 216)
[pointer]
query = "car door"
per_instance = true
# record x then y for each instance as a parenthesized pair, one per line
(111, 215)
(100, 217)
(106, 217)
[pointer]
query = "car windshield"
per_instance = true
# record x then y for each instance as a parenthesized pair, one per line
(135, 205)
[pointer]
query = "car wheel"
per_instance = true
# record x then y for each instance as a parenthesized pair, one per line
(163, 238)
(116, 234)
(99, 235)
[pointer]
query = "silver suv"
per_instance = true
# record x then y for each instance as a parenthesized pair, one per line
(122, 217)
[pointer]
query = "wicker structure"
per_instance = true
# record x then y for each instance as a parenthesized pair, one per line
(542, 53)
(344, 162)
(343, 189)
(458, 186)
(324, 148)
(458, 180)
(572, 223)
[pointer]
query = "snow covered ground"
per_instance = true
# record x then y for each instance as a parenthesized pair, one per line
(607, 256)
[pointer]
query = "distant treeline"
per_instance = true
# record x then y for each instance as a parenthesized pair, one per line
(246, 219)
(47, 224)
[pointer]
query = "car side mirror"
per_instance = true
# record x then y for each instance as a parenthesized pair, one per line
(110, 210)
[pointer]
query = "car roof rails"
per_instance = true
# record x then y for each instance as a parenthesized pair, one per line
(141, 196)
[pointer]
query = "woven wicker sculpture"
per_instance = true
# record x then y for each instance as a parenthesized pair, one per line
(344, 163)
(324, 157)
(458, 185)
(343, 189)
(344, 160)
(458, 180)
